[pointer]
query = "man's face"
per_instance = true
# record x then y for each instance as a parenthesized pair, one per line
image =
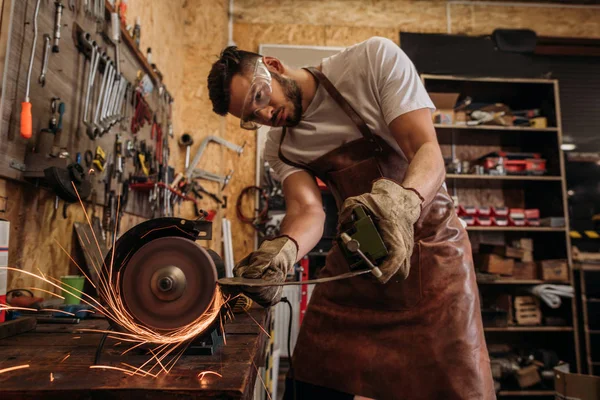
(283, 109)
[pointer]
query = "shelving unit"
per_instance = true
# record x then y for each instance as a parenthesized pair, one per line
(547, 193)
(589, 277)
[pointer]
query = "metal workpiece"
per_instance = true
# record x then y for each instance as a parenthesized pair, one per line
(232, 146)
(45, 57)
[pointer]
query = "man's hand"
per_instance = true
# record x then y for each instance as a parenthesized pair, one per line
(396, 210)
(271, 262)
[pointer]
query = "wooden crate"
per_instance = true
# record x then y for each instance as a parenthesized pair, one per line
(527, 310)
(495, 264)
(554, 270)
(525, 270)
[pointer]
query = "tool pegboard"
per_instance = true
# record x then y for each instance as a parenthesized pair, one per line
(61, 140)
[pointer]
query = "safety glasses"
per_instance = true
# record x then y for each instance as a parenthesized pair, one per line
(258, 96)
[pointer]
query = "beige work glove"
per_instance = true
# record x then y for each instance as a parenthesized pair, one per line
(395, 211)
(271, 262)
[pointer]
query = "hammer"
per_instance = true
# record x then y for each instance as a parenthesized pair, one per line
(187, 141)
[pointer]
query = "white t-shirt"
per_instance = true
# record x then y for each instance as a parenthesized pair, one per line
(380, 83)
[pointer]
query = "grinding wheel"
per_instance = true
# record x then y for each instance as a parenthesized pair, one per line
(168, 283)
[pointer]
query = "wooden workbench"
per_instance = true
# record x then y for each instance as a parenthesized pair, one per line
(43, 349)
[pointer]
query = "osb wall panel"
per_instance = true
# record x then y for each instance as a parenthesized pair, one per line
(413, 16)
(204, 36)
(546, 21)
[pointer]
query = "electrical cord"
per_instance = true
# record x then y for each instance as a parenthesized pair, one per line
(289, 346)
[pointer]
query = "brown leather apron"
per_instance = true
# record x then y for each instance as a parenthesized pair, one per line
(419, 338)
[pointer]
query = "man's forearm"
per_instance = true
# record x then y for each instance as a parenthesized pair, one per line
(304, 226)
(426, 171)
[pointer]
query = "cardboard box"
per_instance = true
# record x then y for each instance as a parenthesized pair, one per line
(4, 234)
(444, 104)
(525, 270)
(504, 251)
(523, 243)
(528, 376)
(554, 270)
(527, 256)
(495, 264)
(575, 386)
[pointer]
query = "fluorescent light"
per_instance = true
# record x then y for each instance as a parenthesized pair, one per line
(568, 147)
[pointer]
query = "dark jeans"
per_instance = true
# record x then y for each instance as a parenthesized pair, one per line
(306, 391)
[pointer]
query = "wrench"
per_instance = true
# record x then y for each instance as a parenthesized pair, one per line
(100, 96)
(107, 92)
(116, 114)
(94, 62)
(118, 87)
(45, 62)
(104, 119)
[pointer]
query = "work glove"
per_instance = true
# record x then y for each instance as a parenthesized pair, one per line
(271, 262)
(395, 211)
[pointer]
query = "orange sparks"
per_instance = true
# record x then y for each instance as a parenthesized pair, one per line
(51, 377)
(202, 374)
(47, 291)
(65, 357)
(76, 337)
(13, 368)
(126, 371)
(259, 325)
(58, 311)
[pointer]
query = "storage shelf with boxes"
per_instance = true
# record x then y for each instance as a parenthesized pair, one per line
(501, 139)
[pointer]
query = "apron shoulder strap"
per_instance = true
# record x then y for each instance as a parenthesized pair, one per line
(286, 160)
(341, 101)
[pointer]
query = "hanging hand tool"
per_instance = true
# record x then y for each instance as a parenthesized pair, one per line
(26, 105)
(107, 63)
(209, 176)
(115, 24)
(94, 62)
(57, 25)
(186, 140)
(42, 79)
(61, 112)
(238, 149)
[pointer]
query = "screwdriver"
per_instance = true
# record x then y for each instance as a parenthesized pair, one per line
(26, 105)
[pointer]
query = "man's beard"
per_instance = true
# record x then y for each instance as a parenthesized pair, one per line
(292, 93)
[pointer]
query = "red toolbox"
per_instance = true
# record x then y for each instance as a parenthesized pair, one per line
(514, 163)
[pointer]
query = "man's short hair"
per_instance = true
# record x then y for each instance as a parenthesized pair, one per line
(232, 61)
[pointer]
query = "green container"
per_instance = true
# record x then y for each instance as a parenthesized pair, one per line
(76, 282)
